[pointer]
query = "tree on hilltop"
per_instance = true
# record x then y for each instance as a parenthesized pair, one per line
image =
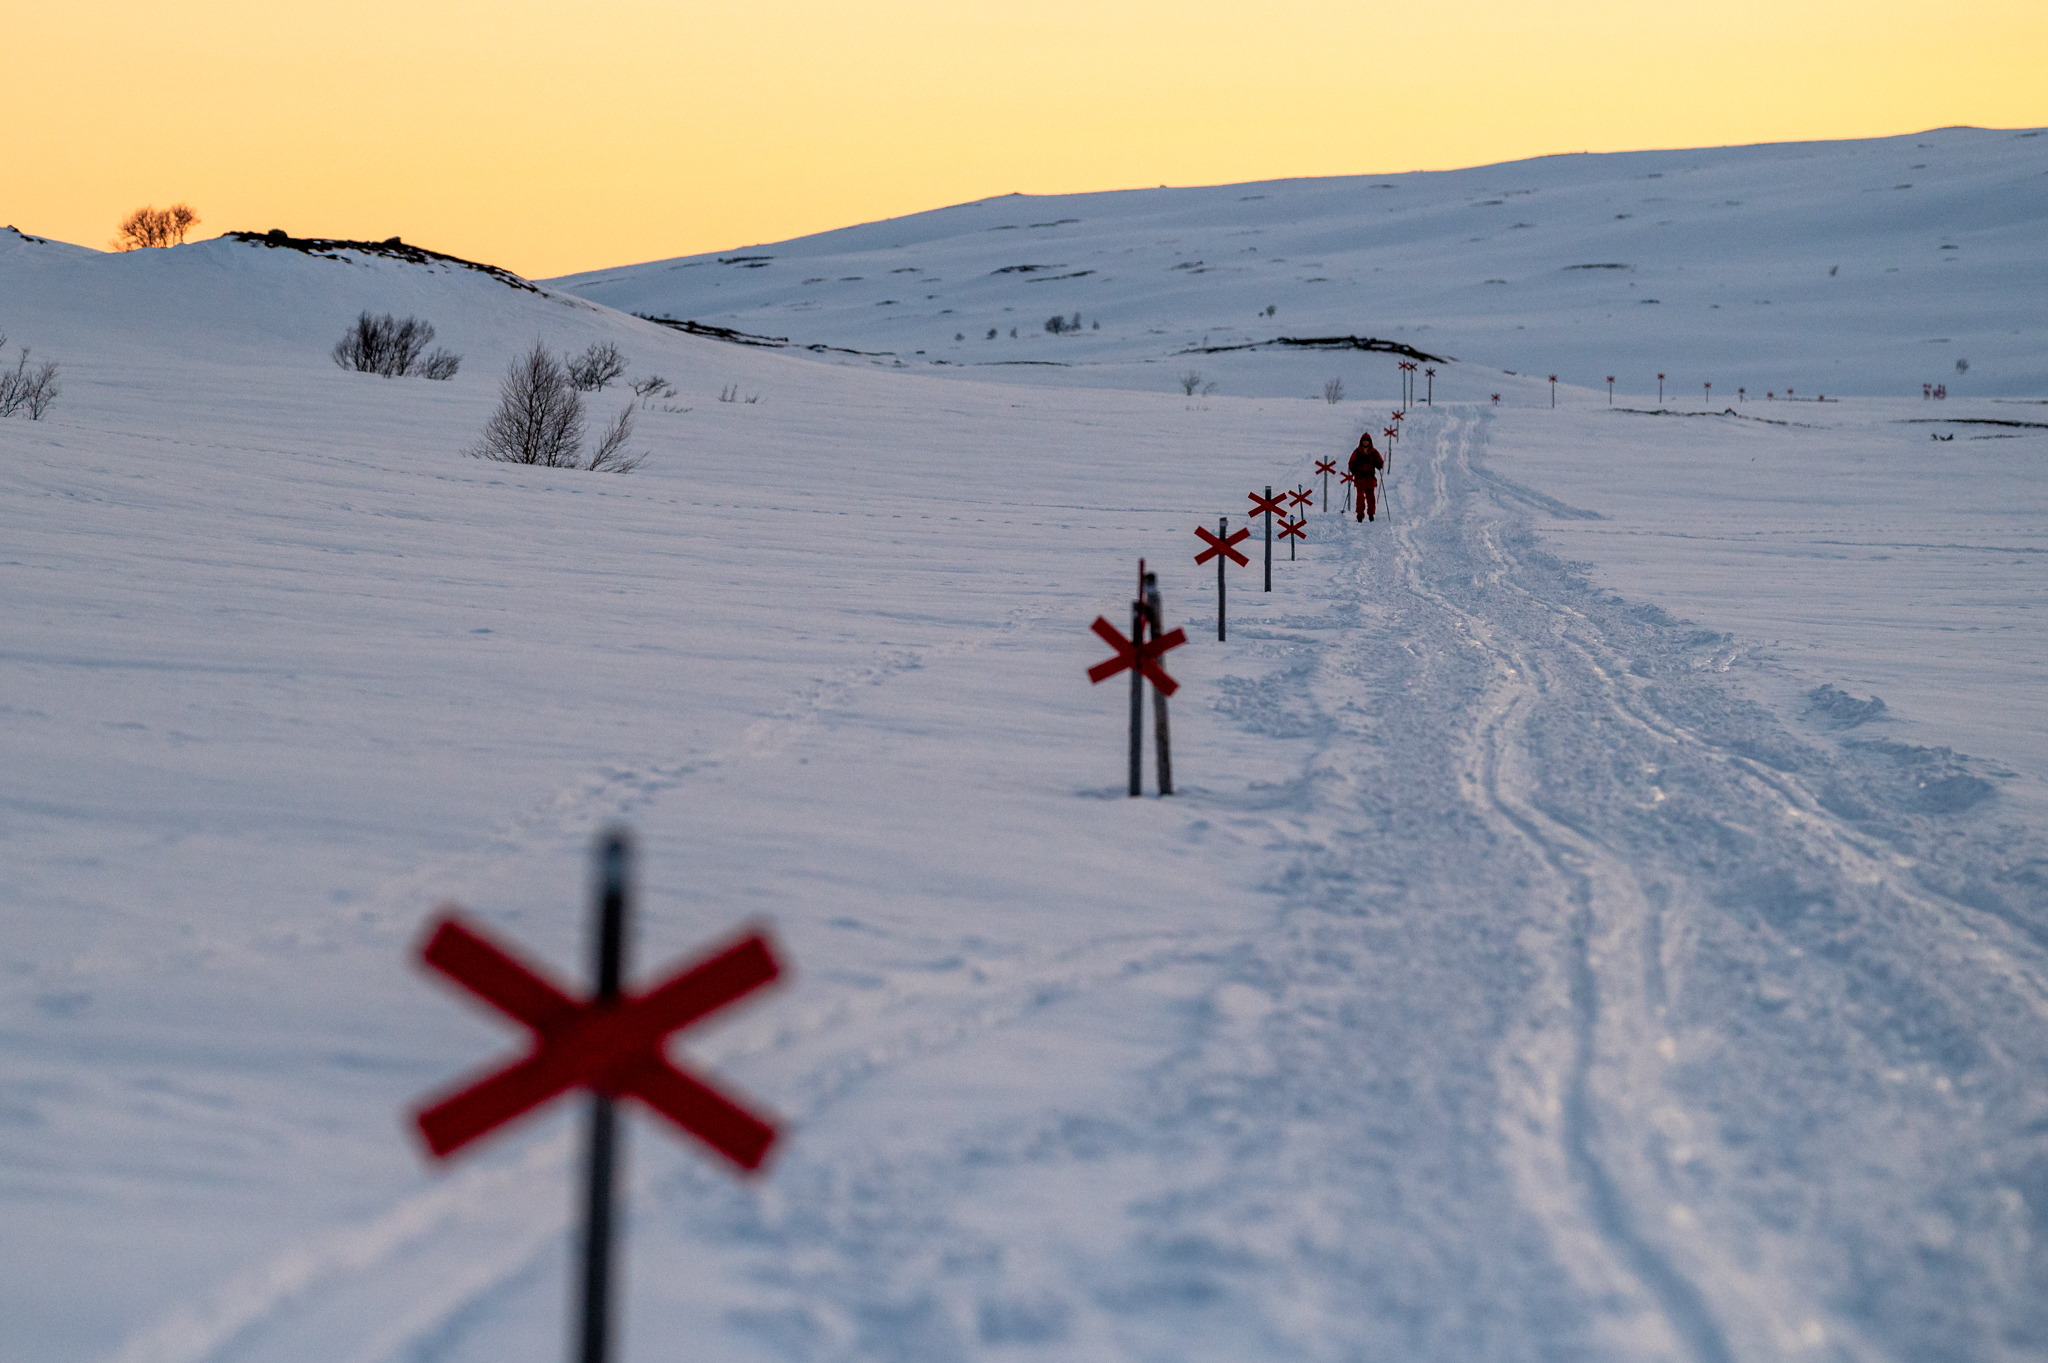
(155, 227)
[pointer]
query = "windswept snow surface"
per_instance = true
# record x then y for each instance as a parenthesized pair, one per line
(1525, 969)
(1865, 267)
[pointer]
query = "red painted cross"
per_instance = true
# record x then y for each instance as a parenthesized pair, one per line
(1326, 466)
(1300, 498)
(1144, 657)
(1265, 504)
(1222, 546)
(1294, 529)
(1346, 478)
(612, 1047)
(1400, 416)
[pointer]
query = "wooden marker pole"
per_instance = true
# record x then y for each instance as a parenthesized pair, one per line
(1138, 687)
(608, 961)
(1222, 561)
(1162, 741)
(1269, 537)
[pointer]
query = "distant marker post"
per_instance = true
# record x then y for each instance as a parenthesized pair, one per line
(1270, 505)
(1222, 548)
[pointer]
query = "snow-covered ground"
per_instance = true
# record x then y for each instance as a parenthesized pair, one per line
(1536, 962)
(1834, 267)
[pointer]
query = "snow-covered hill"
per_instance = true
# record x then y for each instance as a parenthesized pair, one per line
(1554, 948)
(1864, 267)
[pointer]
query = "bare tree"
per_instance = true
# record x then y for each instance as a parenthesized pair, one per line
(610, 455)
(1333, 391)
(652, 387)
(539, 418)
(151, 227)
(384, 345)
(595, 367)
(1191, 381)
(1056, 323)
(26, 389)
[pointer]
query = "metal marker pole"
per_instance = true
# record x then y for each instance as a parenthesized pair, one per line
(1138, 684)
(1269, 537)
(608, 953)
(1222, 561)
(1162, 743)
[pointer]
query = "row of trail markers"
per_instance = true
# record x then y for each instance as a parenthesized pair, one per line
(1140, 656)
(1149, 640)
(612, 1043)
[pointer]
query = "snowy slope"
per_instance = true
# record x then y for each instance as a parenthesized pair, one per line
(1522, 971)
(1854, 267)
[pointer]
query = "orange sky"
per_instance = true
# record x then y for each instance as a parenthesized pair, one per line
(549, 138)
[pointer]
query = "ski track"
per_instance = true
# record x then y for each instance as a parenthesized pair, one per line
(1701, 1012)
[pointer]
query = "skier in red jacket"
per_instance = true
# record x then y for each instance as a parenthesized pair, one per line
(1365, 466)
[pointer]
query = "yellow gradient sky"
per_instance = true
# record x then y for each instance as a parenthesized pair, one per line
(550, 138)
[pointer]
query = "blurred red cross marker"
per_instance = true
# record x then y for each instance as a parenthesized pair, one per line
(1294, 530)
(1326, 466)
(1143, 656)
(1222, 546)
(1300, 498)
(613, 1047)
(1267, 505)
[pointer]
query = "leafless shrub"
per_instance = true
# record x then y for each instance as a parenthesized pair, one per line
(729, 393)
(155, 227)
(442, 364)
(1056, 323)
(539, 418)
(1190, 381)
(540, 421)
(28, 390)
(595, 367)
(652, 387)
(386, 346)
(1333, 391)
(611, 456)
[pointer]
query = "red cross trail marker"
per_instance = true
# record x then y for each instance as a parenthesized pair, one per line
(613, 1048)
(1300, 498)
(1144, 656)
(611, 1043)
(1293, 530)
(1326, 467)
(1222, 548)
(1141, 657)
